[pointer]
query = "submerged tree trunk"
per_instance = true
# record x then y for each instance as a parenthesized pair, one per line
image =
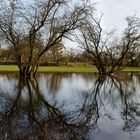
(42, 29)
(109, 54)
(28, 71)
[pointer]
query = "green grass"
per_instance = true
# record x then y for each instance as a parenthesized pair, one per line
(131, 69)
(69, 68)
(8, 68)
(13, 68)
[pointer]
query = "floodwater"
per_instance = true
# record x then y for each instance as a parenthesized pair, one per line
(70, 106)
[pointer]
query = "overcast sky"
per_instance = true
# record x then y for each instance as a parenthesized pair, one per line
(115, 12)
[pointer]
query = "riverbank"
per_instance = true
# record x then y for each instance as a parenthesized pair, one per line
(75, 68)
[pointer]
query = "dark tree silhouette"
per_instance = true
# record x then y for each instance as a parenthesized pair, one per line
(41, 24)
(109, 56)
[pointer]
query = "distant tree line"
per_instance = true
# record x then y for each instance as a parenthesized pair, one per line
(55, 56)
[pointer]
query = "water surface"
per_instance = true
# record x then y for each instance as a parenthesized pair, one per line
(70, 106)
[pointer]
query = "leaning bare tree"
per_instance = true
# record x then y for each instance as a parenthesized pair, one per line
(37, 27)
(109, 56)
(128, 47)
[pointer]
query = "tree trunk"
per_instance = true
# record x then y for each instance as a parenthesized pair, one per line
(28, 71)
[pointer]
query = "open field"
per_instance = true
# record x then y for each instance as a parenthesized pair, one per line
(13, 68)
(70, 68)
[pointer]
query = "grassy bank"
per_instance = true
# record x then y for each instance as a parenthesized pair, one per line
(70, 68)
(13, 68)
(131, 69)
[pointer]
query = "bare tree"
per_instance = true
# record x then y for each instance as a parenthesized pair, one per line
(9, 28)
(109, 56)
(56, 52)
(49, 21)
(128, 47)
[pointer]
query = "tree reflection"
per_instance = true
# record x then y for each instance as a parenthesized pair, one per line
(44, 120)
(54, 81)
(130, 106)
(30, 115)
(121, 95)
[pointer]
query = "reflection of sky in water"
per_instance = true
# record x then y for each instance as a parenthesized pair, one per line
(71, 91)
(8, 88)
(113, 104)
(7, 85)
